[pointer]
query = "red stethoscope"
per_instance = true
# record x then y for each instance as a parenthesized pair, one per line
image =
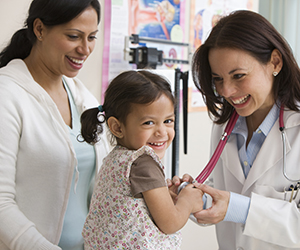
(215, 157)
(228, 129)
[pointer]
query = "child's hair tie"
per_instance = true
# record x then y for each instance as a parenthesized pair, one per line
(100, 108)
(100, 115)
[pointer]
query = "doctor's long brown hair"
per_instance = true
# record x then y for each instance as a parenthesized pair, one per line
(252, 33)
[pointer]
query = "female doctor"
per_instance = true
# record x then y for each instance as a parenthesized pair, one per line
(246, 66)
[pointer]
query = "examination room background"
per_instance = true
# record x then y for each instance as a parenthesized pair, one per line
(13, 14)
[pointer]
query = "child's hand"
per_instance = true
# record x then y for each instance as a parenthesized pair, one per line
(193, 197)
(176, 181)
(185, 178)
(174, 184)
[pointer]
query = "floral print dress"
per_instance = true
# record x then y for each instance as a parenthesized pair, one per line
(116, 219)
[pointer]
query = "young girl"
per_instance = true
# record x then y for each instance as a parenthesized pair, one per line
(131, 205)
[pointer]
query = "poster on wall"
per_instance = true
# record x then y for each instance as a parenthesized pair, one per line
(161, 19)
(157, 19)
(204, 15)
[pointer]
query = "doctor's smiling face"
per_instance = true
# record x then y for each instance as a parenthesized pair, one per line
(242, 80)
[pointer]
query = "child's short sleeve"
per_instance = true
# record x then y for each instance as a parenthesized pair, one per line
(145, 174)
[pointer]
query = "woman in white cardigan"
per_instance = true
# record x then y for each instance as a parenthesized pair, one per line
(46, 173)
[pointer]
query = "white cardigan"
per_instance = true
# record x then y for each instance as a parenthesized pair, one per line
(272, 222)
(37, 159)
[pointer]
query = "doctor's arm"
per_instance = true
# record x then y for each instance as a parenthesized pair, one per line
(267, 219)
(226, 206)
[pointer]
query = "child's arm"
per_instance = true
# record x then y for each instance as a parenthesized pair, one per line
(170, 217)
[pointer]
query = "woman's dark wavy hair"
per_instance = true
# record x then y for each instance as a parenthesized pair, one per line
(51, 13)
(129, 87)
(252, 33)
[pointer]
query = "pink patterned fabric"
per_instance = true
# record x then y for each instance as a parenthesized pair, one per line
(116, 219)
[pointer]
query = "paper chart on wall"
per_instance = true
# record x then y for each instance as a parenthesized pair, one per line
(115, 29)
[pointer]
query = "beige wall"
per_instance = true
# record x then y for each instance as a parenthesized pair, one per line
(12, 16)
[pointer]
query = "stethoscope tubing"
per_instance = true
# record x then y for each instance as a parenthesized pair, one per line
(228, 129)
(216, 155)
(283, 137)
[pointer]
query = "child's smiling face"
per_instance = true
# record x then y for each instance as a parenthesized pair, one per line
(151, 125)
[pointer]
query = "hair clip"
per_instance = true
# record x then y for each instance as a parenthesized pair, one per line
(101, 117)
(100, 108)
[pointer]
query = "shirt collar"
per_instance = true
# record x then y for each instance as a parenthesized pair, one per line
(270, 120)
(264, 127)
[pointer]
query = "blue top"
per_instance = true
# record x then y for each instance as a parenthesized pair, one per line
(78, 205)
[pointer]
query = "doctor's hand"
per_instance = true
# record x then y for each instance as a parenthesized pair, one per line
(218, 210)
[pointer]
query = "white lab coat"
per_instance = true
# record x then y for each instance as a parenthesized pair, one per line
(272, 222)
